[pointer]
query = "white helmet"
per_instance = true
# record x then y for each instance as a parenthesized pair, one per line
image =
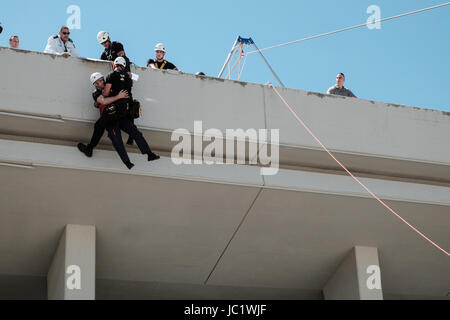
(102, 36)
(95, 76)
(120, 61)
(160, 47)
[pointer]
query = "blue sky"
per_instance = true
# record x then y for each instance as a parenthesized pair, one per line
(406, 62)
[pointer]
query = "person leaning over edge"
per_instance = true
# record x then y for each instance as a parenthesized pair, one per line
(339, 89)
(61, 44)
(113, 49)
(160, 63)
(117, 81)
(100, 102)
(14, 42)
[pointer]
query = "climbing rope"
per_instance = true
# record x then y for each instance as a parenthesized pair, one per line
(355, 178)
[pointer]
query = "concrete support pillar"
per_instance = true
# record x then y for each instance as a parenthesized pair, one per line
(72, 272)
(357, 278)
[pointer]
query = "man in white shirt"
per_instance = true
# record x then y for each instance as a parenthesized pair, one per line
(62, 44)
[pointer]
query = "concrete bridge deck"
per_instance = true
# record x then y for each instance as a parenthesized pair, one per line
(220, 231)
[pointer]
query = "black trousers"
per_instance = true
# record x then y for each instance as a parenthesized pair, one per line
(99, 130)
(126, 125)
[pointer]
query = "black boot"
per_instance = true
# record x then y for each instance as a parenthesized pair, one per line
(129, 165)
(153, 157)
(85, 149)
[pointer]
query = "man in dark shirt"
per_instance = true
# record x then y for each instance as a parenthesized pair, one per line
(159, 62)
(113, 50)
(117, 81)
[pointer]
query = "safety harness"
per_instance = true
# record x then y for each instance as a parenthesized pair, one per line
(162, 66)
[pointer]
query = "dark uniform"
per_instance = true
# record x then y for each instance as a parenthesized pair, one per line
(106, 122)
(100, 125)
(121, 81)
(114, 122)
(165, 65)
(110, 54)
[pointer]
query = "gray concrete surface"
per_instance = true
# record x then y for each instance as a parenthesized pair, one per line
(176, 225)
(71, 275)
(370, 137)
(357, 278)
(217, 231)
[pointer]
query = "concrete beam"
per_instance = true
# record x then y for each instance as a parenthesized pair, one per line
(72, 272)
(357, 278)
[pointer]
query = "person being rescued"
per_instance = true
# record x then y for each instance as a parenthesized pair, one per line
(114, 99)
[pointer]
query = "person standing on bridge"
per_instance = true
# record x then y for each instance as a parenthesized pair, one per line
(159, 62)
(62, 45)
(339, 89)
(113, 49)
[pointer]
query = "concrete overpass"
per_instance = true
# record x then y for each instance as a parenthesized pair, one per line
(171, 232)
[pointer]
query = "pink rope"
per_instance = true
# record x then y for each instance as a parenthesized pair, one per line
(355, 178)
(238, 61)
(240, 58)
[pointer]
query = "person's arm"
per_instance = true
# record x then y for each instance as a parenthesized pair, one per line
(151, 64)
(174, 67)
(53, 48)
(106, 101)
(107, 90)
(351, 94)
(119, 49)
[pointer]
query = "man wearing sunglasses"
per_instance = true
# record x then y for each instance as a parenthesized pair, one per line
(339, 89)
(61, 44)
